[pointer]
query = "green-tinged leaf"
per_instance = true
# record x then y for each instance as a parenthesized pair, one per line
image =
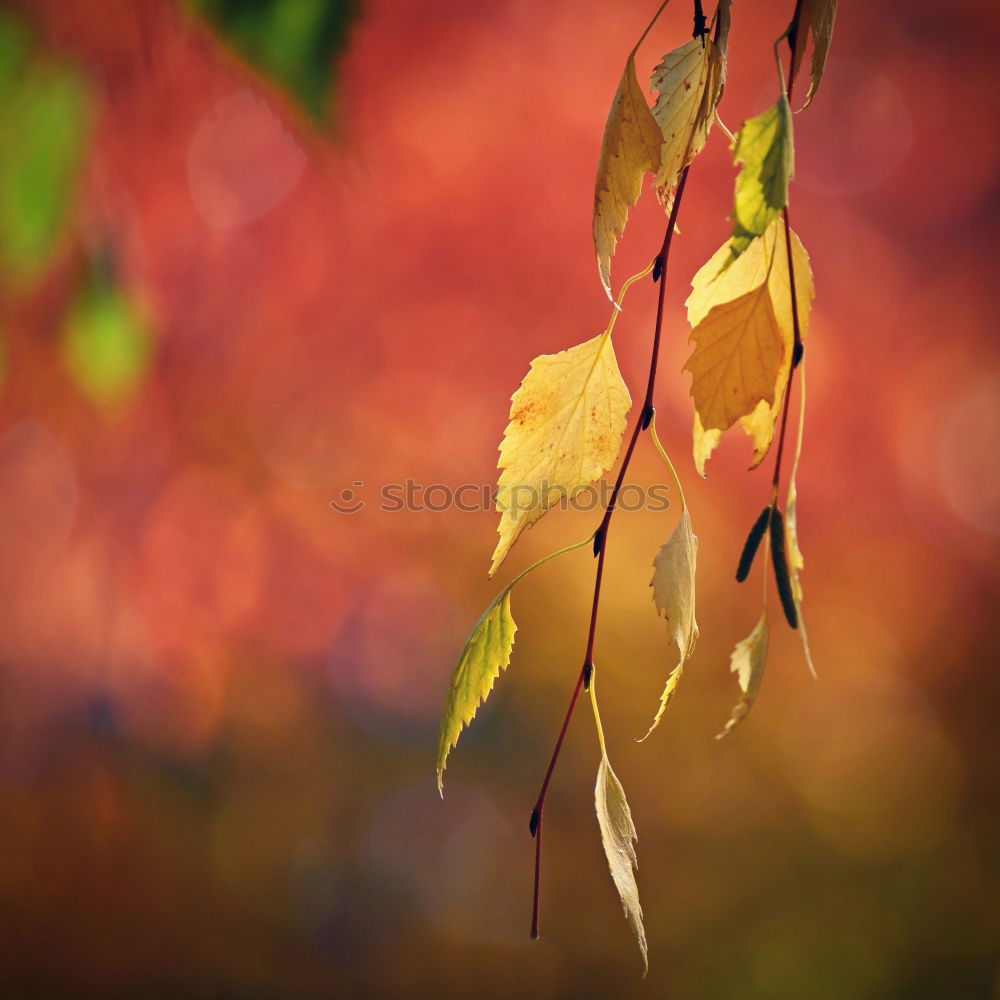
(106, 344)
(673, 586)
(764, 146)
(747, 662)
(485, 654)
(630, 149)
(815, 17)
(566, 425)
(743, 332)
(295, 42)
(619, 837)
(44, 113)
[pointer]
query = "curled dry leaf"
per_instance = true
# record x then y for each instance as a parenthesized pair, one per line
(485, 654)
(743, 332)
(816, 18)
(673, 586)
(566, 424)
(618, 837)
(747, 662)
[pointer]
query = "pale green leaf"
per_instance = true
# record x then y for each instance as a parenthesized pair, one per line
(485, 654)
(764, 146)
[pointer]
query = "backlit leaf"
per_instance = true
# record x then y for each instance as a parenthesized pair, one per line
(630, 149)
(619, 837)
(673, 586)
(690, 81)
(816, 18)
(742, 329)
(566, 425)
(747, 662)
(485, 654)
(764, 146)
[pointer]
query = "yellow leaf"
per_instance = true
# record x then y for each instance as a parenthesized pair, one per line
(742, 328)
(816, 17)
(674, 596)
(690, 81)
(486, 653)
(566, 425)
(796, 563)
(618, 837)
(630, 148)
(764, 147)
(747, 662)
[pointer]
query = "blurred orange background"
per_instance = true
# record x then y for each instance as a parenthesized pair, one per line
(219, 696)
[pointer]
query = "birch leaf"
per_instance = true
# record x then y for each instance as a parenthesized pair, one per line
(763, 146)
(742, 329)
(816, 18)
(566, 425)
(618, 837)
(485, 654)
(690, 81)
(747, 662)
(630, 149)
(674, 595)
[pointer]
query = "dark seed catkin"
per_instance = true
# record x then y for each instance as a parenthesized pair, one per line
(780, 561)
(752, 544)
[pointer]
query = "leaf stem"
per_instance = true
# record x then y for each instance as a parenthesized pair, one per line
(793, 34)
(600, 539)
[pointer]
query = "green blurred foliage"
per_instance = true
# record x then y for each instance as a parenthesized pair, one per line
(295, 42)
(44, 113)
(105, 343)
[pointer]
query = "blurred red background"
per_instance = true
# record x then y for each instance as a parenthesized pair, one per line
(219, 696)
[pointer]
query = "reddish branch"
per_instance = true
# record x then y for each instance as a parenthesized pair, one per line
(600, 546)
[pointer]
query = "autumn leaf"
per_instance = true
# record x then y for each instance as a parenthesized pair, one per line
(618, 836)
(566, 425)
(630, 149)
(796, 562)
(763, 146)
(816, 18)
(485, 654)
(690, 81)
(747, 662)
(743, 332)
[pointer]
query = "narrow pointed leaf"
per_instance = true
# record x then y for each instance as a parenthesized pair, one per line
(747, 662)
(485, 654)
(618, 837)
(566, 425)
(629, 150)
(673, 586)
